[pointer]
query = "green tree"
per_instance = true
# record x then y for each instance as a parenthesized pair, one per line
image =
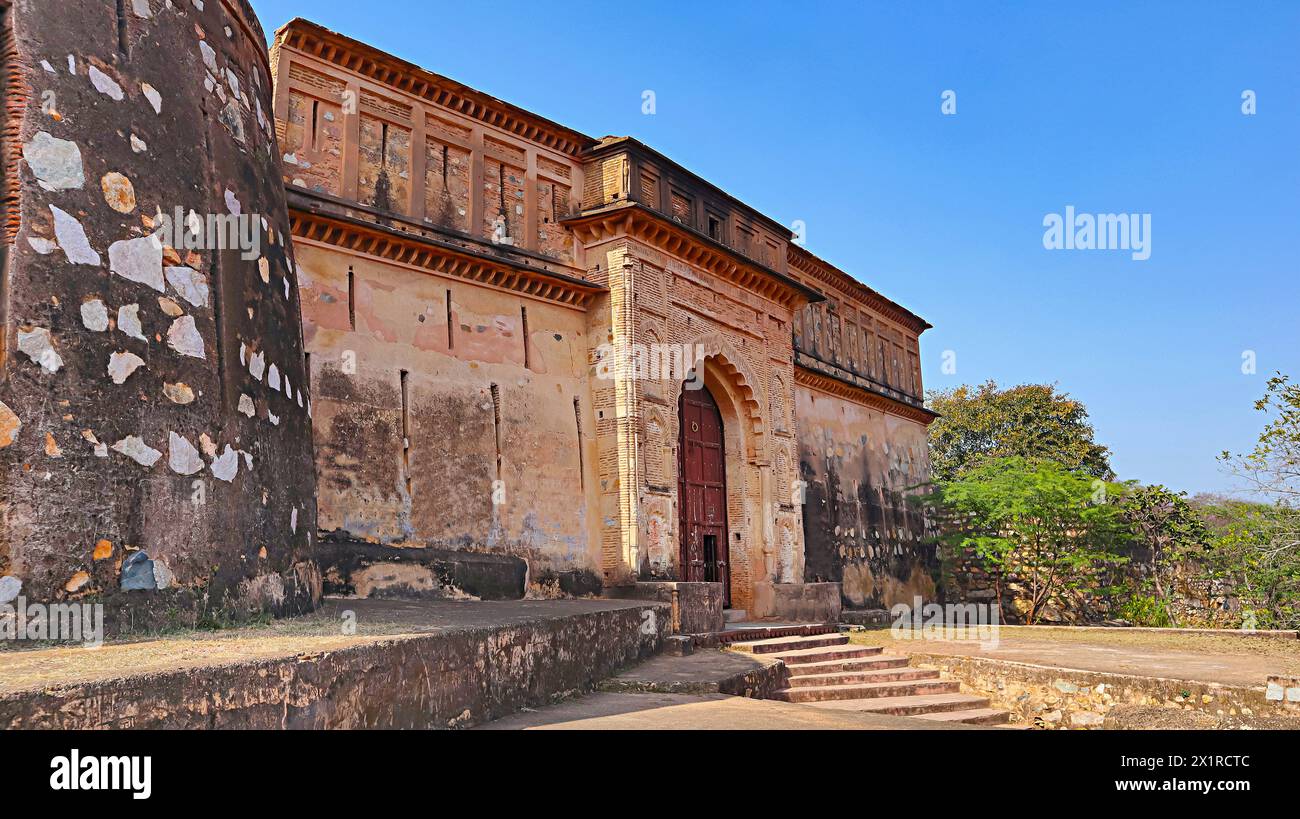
(1033, 421)
(1259, 544)
(1167, 532)
(1033, 520)
(1254, 549)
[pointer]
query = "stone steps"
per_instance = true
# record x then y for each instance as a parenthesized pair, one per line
(779, 644)
(909, 706)
(861, 690)
(868, 676)
(971, 716)
(869, 662)
(826, 654)
(826, 671)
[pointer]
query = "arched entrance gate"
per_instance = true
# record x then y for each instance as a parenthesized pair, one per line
(702, 490)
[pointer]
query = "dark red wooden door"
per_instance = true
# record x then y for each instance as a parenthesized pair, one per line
(702, 491)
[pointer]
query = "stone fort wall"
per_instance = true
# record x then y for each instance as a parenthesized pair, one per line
(155, 444)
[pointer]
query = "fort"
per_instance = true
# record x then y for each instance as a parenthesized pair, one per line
(405, 393)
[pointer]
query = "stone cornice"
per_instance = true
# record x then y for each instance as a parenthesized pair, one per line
(408, 78)
(840, 388)
(398, 247)
(831, 276)
(641, 223)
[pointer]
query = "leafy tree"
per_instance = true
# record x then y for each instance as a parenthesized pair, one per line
(1169, 532)
(1033, 520)
(1272, 469)
(1254, 548)
(1258, 544)
(1029, 421)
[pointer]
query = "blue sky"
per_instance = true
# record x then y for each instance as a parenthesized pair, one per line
(830, 113)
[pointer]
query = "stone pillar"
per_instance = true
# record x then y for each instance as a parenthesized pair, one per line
(155, 440)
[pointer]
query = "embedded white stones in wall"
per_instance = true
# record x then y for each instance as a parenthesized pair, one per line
(170, 308)
(42, 245)
(264, 269)
(190, 284)
(137, 260)
(138, 145)
(232, 202)
(128, 321)
(184, 338)
(101, 450)
(36, 344)
(178, 393)
(104, 84)
(293, 520)
(272, 417)
(151, 94)
(246, 405)
(122, 364)
(226, 465)
(94, 315)
(72, 238)
(119, 193)
(257, 365)
(182, 457)
(137, 450)
(55, 162)
(209, 56)
(141, 8)
(162, 576)
(273, 377)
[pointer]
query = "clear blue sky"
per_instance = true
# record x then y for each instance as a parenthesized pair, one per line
(830, 113)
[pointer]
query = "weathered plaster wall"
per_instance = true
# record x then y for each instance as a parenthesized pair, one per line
(857, 463)
(154, 428)
(465, 435)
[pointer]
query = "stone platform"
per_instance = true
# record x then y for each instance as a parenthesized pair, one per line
(427, 664)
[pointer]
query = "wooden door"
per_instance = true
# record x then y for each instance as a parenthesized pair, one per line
(702, 490)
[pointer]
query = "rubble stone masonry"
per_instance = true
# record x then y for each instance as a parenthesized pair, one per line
(155, 441)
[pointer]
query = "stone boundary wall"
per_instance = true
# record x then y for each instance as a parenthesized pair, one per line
(454, 679)
(696, 606)
(1059, 698)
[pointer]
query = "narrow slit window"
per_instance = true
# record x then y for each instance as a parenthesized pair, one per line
(352, 299)
(496, 424)
(406, 430)
(451, 327)
(523, 319)
(577, 417)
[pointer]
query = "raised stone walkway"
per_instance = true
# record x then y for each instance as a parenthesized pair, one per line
(408, 665)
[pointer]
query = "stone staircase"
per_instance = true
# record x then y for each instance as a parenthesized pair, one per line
(824, 671)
